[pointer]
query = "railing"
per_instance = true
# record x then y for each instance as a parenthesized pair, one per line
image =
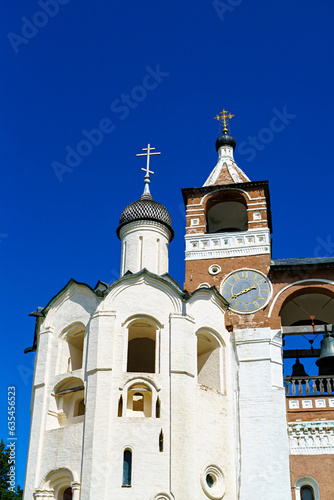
(309, 386)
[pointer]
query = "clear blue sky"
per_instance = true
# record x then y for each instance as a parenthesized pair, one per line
(180, 63)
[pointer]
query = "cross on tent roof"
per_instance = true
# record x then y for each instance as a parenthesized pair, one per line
(224, 116)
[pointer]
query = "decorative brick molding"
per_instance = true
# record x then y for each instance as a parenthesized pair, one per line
(311, 438)
(236, 244)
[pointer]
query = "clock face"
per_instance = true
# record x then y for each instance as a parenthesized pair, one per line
(246, 290)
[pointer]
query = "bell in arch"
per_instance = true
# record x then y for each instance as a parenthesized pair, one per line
(325, 362)
(298, 370)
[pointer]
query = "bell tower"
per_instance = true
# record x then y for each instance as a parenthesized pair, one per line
(228, 219)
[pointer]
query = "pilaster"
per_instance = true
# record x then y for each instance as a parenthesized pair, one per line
(264, 448)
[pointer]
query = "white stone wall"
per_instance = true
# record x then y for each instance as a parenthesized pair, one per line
(235, 432)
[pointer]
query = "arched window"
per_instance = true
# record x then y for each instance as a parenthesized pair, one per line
(139, 401)
(307, 493)
(127, 468)
(208, 360)
(67, 494)
(307, 488)
(227, 216)
(141, 348)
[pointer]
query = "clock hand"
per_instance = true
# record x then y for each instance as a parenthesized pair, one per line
(243, 291)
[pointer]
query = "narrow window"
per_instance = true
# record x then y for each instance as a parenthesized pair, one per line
(127, 466)
(157, 408)
(67, 494)
(307, 493)
(120, 407)
(161, 441)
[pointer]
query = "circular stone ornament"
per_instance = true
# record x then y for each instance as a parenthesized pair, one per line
(214, 269)
(213, 482)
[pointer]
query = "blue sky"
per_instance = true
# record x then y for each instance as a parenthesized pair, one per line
(154, 72)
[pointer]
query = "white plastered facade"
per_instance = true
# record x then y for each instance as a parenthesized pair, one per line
(225, 430)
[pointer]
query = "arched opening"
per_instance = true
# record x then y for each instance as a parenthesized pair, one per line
(75, 340)
(127, 468)
(139, 401)
(71, 348)
(227, 216)
(141, 348)
(79, 408)
(208, 360)
(299, 309)
(69, 397)
(304, 312)
(67, 494)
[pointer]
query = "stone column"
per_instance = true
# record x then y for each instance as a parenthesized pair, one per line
(75, 491)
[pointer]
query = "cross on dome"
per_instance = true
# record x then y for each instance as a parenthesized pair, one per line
(147, 169)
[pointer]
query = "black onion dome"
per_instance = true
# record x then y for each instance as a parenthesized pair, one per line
(146, 209)
(225, 140)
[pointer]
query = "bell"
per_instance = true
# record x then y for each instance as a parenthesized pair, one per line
(326, 358)
(298, 370)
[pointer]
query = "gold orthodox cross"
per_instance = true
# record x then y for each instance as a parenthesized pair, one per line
(148, 154)
(224, 117)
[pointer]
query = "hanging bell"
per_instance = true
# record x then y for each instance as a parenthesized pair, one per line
(326, 358)
(298, 370)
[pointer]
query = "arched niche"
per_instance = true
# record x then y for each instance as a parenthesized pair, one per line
(209, 360)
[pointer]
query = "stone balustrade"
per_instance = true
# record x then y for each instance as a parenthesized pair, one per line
(309, 386)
